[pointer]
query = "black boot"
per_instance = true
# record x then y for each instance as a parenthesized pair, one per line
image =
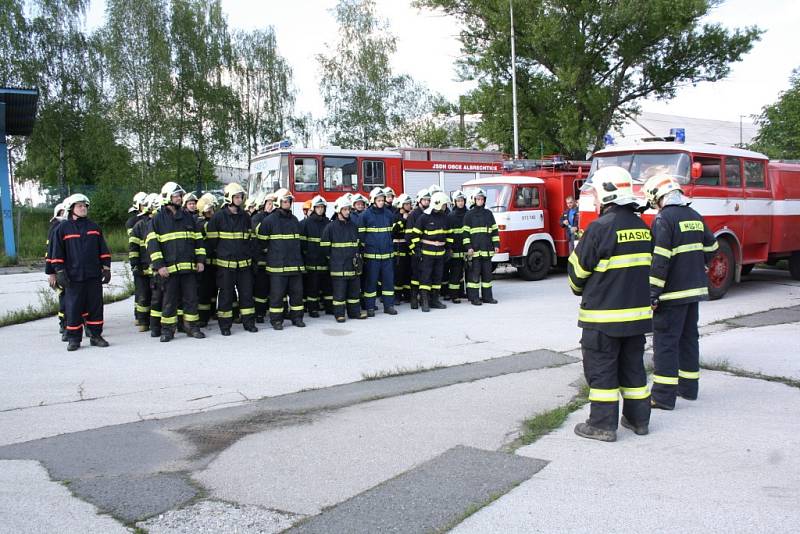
(299, 322)
(313, 314)
(389, 310)
(224, 331)
(277, 325)
(585, 430)
(249, 325)
(640, 430)
(98, 341)
(193, 331)
(414, 299)
(475, 302)
(436, 303)
(64, 336)
(167, 335)
(74, 344)
(371, 313)
(259, 319)
(155, 331)
(424, 300)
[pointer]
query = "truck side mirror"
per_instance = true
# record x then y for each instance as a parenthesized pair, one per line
(697, 170)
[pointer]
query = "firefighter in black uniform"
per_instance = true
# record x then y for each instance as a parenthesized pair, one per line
(138, 211)
(481, 240)
(280, 236)
(49, 270)
(683, 246)
(261, 285)
(455, 223)
(228, 236)
(423, 201)
(340, 243)
(177, 254)
(82, 263)
(316, 280)
(140, 264)
(207, 291)
(390, 198)
(430, 250)
(402, 256)
(609, 269)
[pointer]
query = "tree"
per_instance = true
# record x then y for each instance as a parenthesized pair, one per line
(14, 45)
(779, 123)
(582, 65)
(263, 80)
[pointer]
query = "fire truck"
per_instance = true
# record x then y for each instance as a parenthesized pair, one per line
(528, 199)
(333, 171)
(751, 204)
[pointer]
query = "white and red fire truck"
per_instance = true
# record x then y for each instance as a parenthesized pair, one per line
(750, 203)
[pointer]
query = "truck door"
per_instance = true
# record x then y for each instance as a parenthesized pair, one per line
(758, 207)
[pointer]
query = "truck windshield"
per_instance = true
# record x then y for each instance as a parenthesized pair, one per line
(268, 175)
(643, 165)
(497, 196)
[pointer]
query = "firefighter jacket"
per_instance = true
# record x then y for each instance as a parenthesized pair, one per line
(174, 242)
(78, 247)
(455, 223)
(683, 246)
(340, 244)
(355, 216)
(609, 268)
(51, 233)
(430, 234)
(375, 229)
(228, 237)
(411, 222)
(137, 247)
(311, 229)
(399, 235)
(480, 232)
(279, 235)
(132, 220)
(259, 253)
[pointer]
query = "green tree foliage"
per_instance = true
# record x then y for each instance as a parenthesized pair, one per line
(14, 45)
(779, 134)
(582, 64)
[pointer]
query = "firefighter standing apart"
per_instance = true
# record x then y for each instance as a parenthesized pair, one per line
(228, 236)
(82, 263)
(683, 246)
(481, 241)
(177, 254)
(609, 268)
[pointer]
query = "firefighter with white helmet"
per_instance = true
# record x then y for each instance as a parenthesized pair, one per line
(261, 285)
(340, 244)
(609, 269)
(423, 201)
(279, 235)
(455, 265)
(190, 203)
(316, 280)
(207, 290)
(430, 247)
(390, 197)
(49, 270)
(359, 202)
(82, 263)
(375, 230)
(140, 267)
(402, 259)
(228, 235)
(481, 240)
(177, 253)
(683, 246)
(137, 210)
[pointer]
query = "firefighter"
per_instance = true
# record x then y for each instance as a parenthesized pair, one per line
(137, 211)
(261, 289)
(609, 270)
(359, 202)
(423, 201)
(402, 257)
(82, 263)
(49, 270)
(340, 243)
(683, 247)
(207, 292)
(455, 223)
(280, 236)
(375, 231)
(481, 240)
(316, 280)
(229, 242)
(430, 248)
(390, 197)
(306, 208)
(177, 254)
(250, 206)
(190, 204)
(140, 264)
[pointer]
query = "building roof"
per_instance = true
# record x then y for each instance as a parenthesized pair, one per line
(20, 109)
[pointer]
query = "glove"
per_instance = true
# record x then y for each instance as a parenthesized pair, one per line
(358, 264)
(106, 276)
(62, 279)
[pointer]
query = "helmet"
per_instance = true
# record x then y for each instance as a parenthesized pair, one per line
(375, 193)
(342, 202)
(458, 193)
(388, 191)
(403, 199)
(358, 197)
(153, 201)
(434, 189)
(318, 201)
(231, 190)
(250, 203)
(423, 193)
(58, 210)
(657, 186)
(206, 202)
(283, 194)
(439, 200)
(307, 205)
(613, 185)
(139, 199)
(169, 189)
(71, 200)
(475, 193)
(188, 198)
(258, 201)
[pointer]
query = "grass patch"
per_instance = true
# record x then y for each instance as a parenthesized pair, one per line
(725, 367)
(400, 371)
(474, 508)
(543, 423)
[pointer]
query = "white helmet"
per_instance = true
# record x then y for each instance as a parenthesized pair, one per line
(233, 189)
(318, 200)
(58, 211)
(139, 200)
(434, 189)
(283, 194)
(71, 200)
(342, 202)
(458, 193)
(473, 194)
(613, 185)
(439, 201)
(358, 197)
(403, 199)
(206, 202)
(152, 201)
(388, 191)
(375, 193)
(656, 187)
(169, 189)
(422, 194)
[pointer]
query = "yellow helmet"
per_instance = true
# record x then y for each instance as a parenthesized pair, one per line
(659, 185)
(439, 200)
(206, 202)
(169, 189)
(231, 190)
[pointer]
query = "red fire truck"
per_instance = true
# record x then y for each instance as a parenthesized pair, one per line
(528, 200)
(332, 172)
(751, 204)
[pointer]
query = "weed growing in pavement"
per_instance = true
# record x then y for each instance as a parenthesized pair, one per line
(474, 508)
(543, 423)
(725, 367)
(400, 371)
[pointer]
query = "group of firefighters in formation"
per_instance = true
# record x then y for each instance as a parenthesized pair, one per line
(633, 280)
(193, 260)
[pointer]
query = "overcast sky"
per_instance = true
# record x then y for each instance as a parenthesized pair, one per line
(428, 47)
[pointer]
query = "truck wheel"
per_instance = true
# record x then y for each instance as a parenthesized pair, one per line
(720, 271)
(794, 265)
(536, 264)
(747, 268)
